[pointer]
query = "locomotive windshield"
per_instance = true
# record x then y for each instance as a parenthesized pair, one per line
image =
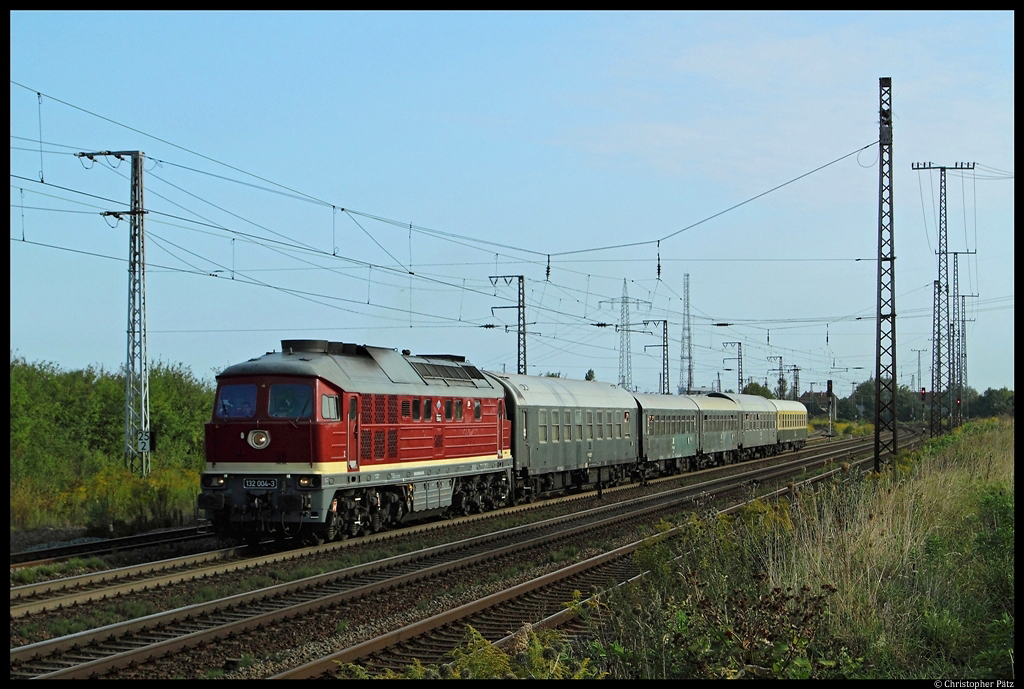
(291, 400)
(236, 402)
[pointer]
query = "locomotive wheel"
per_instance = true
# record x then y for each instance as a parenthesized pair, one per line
(332, 527)
(253, 538)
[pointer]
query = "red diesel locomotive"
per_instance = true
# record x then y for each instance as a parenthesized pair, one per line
(329, 440)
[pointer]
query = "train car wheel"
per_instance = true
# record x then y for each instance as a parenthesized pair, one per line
(331, 532)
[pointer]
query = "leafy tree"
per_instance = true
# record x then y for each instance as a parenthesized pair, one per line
(590, 375)
(993, 403)
(549, 374)
(758, 389)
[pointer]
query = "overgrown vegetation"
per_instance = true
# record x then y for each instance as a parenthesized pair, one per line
(67, 439)
(907, 574)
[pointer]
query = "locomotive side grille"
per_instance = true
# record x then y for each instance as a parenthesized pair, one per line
(392, 409)
(367, 406)
(405, 408)
(364, 449)
(378, 444)
(392, 444)
(378, 408)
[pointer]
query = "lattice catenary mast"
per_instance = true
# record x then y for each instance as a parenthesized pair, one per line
(138, 438)
(886, 439)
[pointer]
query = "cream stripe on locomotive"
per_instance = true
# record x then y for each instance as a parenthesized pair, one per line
(340, 467)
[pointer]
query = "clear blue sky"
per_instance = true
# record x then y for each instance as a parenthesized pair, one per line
(289, 153)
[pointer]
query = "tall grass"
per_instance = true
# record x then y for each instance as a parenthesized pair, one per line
(907, 574)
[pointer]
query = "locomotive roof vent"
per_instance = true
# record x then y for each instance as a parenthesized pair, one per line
(346, 349)
(311, 346)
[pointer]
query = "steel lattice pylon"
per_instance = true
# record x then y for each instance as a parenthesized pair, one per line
(885, 360)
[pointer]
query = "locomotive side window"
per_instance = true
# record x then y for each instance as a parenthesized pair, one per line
(291, 400)
(416, 409)
(476, 410)
(329, 407)
(353, 413)
(427, 409)
(236, 402)
(458, 410)
(447, 410)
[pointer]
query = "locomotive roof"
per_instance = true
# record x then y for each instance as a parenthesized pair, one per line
(374, 370)
(545, 391)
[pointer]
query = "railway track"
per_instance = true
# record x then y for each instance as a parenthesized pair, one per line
(135, 641)
(110, 584)
(106, 546)
(539, 603)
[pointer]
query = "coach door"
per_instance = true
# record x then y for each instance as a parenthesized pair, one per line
(352, 419)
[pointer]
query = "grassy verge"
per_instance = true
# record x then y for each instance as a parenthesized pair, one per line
(904, 575)
(907, 574)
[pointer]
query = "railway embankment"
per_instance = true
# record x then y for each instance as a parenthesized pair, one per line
(904, 575)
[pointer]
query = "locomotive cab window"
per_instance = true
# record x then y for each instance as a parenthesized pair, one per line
(291, 401)
(329, 408)
(353, 411)
(236, 402)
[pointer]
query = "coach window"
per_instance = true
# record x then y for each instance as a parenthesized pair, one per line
(567, 426)
(555, 421)
(600, 425)
(458, 410)
(618, 424)
(329, 408)
(590, 425)
(416, 409)
(579, 425)
(476, 409)
(542, 425)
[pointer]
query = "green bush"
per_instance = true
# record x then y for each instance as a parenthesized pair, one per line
(67, 447)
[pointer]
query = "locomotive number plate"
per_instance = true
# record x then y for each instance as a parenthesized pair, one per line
(259, 483)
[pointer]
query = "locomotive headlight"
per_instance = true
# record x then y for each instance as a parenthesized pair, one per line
(211, 481)
(259, 439)
(309, 481)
